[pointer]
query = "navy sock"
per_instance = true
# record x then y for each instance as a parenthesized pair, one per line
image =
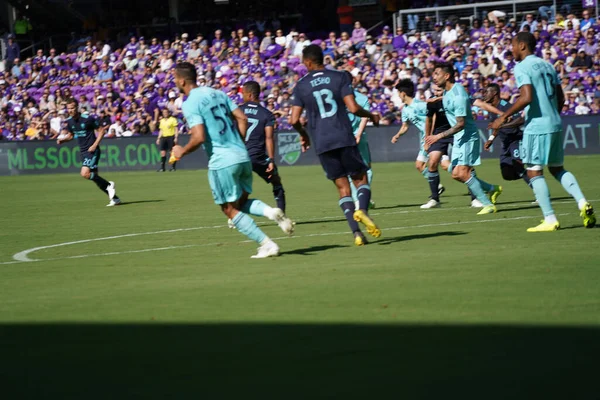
(347, 206)
(279, 195)
(99, 181)
(526, 179)
(434, 182)
(363, 193)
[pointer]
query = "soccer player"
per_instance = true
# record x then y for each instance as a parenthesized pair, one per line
(510, 134)
(415, 112)
(259, 140)
(212, 117)
(167, 138)
(542, 98)
(465, 151)
(83, 128)
(325, 94)
(358, 128)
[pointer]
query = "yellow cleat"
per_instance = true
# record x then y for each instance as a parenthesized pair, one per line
(545, 227)
(360, 240)
(363, 218)
(589, 218)
(495, 193)
(173, 159)
(488, 210)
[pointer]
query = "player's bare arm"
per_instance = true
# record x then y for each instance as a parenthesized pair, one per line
(295, 122)
(402, 131)
(357, 110)
(525, 97)
(99, 137)
(361, 129)
(242, 122)
(270, 147)
(514, 123)
(487, 107)
(197, 137)
(67, 138)
(560, 98)
(460, 125)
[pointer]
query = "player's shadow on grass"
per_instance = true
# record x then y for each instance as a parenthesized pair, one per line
(396, 206)
(407, 238)
(321, 221)
(530, 201)
(301, 360)
(309, 251)
(127, 203)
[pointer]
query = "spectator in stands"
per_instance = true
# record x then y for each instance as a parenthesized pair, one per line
(582, 60)
(587, 22)
(13, 51)
(449, 36)
(359, 35)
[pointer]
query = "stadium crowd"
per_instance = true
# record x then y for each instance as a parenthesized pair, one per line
(128, 87)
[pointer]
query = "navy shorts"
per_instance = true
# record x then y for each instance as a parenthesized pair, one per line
(441, 145)
(260, 168)
(510, 153)
(342, 162)
(90, 160)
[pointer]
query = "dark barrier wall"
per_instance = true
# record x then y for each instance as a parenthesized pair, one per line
(582, 136)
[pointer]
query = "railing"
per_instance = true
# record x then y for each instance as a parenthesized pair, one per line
(44, 44)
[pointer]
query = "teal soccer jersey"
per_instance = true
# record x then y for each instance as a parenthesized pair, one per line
(541, 116)
(362, 101)
(213, 109)
(457, 104)
(416, 113)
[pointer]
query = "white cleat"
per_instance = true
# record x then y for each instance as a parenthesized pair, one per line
(266, 250)
(476, 204)
(114, 202)
(286, 224)
(111, 189)
(230, 224)
(430, 204)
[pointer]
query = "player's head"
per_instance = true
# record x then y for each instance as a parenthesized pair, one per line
(251, 91)
(523, 45)
(166, 113)
(406, 88)
(443, 73)
(312, 57)
(72, 107)
(492, 92)
(436, 90)
(185, 76)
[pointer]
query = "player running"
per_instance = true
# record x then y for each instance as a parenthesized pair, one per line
(325, 94)
(83, 127)
(259, 140)
(465, 151)
(542, 98)
(415, 112)
(211, 117)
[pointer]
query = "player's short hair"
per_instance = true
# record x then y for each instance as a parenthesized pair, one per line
(528, 39)
(253, 88)
(313, 53)
(407, 87)
(495, 87)
(447, 68)
(187, 71)
(72, 100)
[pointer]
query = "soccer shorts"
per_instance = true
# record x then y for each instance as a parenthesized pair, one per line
(365, 152)
(342, 162)
(442, 146)
(510, 152)
(260, 167)
(166, 143)
(543, 149)
(467, 152)
(90, 160)
(228, 184)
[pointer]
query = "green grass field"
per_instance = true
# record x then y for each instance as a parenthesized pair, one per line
(159, 299)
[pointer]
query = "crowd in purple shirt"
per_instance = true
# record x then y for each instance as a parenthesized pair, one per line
(127, 88)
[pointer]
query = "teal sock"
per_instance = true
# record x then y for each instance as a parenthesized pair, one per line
(568, 181)
(353, 190)
(248, 227)
(255, 207)
(484, 185)
(369, 176)
(474, 186)
(542, 194)
(425, 173)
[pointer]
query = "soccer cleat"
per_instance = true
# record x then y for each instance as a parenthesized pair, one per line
(545, 227)
(476, 204)
(111, 189)
(173, 159)
(495, 193)
(286, 224)
(371, 204)
(172, 170)
(359, 239)
(441, 189)
(488, 210)
(589, 218)
(431, 204)
(535, 203)
(363, 218)
(230, 224)
(160, 170)
(114, 202)
(268, 249)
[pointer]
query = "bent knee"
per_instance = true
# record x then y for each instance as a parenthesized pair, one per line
(86, 174)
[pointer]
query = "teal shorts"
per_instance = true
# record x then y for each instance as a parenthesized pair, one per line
(467, 152)
(228, 184)
(543, 149)
(365, 153)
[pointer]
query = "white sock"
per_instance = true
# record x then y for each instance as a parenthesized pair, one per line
(582, 203)
(551, 219)
(269, 212)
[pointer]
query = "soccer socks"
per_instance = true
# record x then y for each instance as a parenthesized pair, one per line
(353, 190)
(568, 181)
(434, 183)
(347, 206)
(425, 173)
(256, 207)
(364, 197)
(248, 227)
(279, 196)
(484, 185)
(99, 181)
(526, 179)
(163, 160)
(369, 176)
(542, 195)
(474, 186)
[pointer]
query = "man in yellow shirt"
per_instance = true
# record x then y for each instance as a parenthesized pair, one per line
(167, 137)
(32, 132)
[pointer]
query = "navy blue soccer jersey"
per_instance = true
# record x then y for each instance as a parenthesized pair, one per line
(258, 119)
(441, 122)
(507, 135)
(83, 129)
(322, 93)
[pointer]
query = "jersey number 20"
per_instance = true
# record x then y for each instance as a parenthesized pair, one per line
(325, 97)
